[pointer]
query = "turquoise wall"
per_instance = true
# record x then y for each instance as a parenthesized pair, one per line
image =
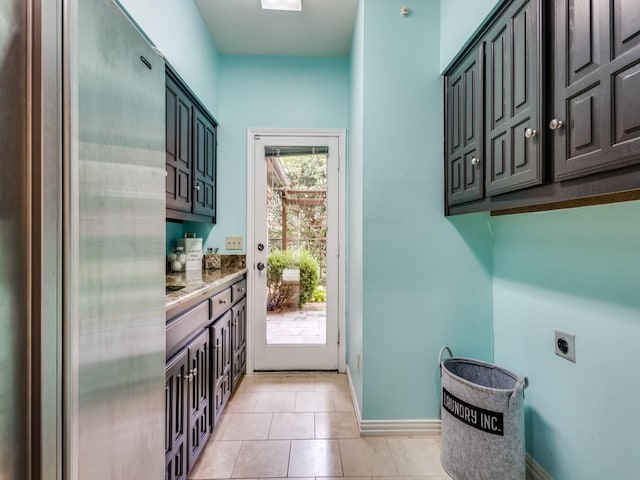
(270, 92)
(459, 19)
(354, 217)
(426, 279)
(577, 271)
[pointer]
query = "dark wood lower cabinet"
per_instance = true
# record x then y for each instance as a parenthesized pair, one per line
(175, 392)
(221, 348)
(208, 348)
(199, 394)
(239, 341)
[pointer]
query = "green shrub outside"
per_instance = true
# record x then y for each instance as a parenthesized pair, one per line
(319, 294)
(281, 294)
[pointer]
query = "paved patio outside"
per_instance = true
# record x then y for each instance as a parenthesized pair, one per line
(307, 326)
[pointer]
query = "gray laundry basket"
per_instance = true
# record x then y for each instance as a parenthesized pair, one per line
(482, 420)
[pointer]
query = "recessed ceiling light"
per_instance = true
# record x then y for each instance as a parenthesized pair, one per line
(295, 5)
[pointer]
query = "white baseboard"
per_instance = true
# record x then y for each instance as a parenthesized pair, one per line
(423, 428)
(535, 471)
(369, 428)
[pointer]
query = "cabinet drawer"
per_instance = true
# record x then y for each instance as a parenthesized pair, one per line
(184, 326)
(220, 303)
(238, 290)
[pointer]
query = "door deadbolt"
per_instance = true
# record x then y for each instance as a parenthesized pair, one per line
(260, 247)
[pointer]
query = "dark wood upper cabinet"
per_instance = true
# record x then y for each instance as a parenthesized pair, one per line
(464, 144)
(191, 146)
(560, 108)
(494, 108)
(204, 199)
(596, 114)
(178, 148)
(513, 150)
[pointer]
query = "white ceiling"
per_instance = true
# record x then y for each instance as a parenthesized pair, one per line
(241, 27)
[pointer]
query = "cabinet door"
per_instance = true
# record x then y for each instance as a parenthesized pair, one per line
(204, 163)
(239, 341)
(176, 392)
(513, 83)
(199, 387)
(178, 148)
(596, 86)
(464, 101)
(221, 347)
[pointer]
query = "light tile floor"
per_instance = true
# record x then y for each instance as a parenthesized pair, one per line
(304, 426)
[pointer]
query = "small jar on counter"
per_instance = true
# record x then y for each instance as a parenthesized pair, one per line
(177, 260)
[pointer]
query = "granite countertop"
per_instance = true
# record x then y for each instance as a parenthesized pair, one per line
(197, 284)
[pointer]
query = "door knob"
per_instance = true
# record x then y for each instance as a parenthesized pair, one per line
(260, 266)
(556, 124)
(475, 161)
(197, 187)
(530, 132)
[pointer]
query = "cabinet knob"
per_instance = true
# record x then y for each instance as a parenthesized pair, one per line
(475, 161)
(189, 378)
(217, 347)
(556, 124)
(241, 290)
(223, 301)
(194, 372)
(197, 188)
(530, 132)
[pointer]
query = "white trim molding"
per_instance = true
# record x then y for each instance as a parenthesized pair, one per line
(369, 428)
(423, 428)
(535, 471)
(341, 135)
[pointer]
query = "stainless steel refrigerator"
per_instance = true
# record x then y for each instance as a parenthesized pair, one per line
(82, 320)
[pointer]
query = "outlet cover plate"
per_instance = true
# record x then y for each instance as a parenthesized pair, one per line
(233, 243)
(570, 340)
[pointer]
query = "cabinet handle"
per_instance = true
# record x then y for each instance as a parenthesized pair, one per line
(197, 187)
(475, 161)
(223, 301)
(217, 347)
(556, 124)
(235, 324)
(530, 132)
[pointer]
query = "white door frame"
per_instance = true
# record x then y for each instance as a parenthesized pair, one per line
(251, 239)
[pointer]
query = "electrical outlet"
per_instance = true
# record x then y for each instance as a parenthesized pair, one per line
(233, 243)
(566, 345)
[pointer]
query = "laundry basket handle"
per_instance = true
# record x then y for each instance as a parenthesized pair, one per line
(442, 350)
(521, 384)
